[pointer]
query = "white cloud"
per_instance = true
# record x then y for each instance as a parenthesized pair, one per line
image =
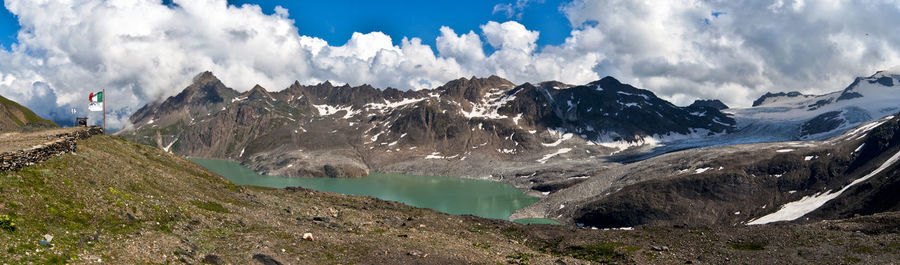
(510, 36)
(282, 12)
(505, 9)
(682, 51)
(142, 51)
(513, 10)
(465, 48)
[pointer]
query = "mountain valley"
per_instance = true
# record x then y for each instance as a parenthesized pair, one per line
(563, 143)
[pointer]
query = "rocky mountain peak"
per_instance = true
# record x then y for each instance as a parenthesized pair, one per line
(474, 89)
(257, 87)
(205, 77)
(610, 83)
(708, 103)
(205, 88)
(884, 78)
(554, 85)
(258, 92)
(880, 78)
(769, 95)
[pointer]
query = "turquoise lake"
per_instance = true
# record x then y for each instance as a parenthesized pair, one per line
(451, 195)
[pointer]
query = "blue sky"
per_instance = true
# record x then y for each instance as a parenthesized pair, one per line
(335, 20)
(8, 28)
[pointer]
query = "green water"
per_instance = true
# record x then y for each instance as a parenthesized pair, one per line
(446, 194)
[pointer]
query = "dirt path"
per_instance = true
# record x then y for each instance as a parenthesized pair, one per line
(15, 141)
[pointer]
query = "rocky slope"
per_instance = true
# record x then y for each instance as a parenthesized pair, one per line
(345, 131)
(14, 117)
(852, 174)
(117, 202)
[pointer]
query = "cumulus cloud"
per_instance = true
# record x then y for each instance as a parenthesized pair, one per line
(737, 50)
(144, 51)
(464, 48)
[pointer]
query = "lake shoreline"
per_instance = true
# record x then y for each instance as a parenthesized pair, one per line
(482, 197)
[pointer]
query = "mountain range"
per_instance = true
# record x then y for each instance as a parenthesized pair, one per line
(590, 151)
(366, 128)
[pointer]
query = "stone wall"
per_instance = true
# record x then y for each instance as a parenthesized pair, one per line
(56, 145)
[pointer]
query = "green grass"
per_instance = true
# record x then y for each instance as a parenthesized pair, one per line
(604, 252)
(482, 245)
(136, 188)
(210, 206)
(7, 223)
(519, 258)
(852, 260)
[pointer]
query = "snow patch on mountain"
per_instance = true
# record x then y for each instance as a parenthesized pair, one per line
(793, 210)
(327, 110)
(560, 135)
(489, 106)
(387, 105)
(168, 148)
(436, 155)
(547, 157)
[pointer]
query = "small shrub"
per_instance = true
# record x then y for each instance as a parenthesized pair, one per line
(519, 258)
(481, 245)
(7, 223)
(603, 252)
(211, 206)
(852, 260)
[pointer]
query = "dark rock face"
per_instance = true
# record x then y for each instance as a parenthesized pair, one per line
(884, 81)
(266, 259)
(212, 259)
(709, 103)
(756, 182)
(823, 123)
(693, 200)
(879, 193)
(819, 104)
(612, 110)
(768, 95)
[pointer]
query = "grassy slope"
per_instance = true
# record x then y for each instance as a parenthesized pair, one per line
(18, 115)
(125, 203)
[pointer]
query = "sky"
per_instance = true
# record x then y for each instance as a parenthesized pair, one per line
(54, 53)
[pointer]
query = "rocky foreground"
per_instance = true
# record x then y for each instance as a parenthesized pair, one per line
(117, 202)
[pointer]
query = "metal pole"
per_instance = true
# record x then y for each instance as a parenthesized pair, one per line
(103, 97)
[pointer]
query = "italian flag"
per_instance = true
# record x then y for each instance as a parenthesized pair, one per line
(97, 97)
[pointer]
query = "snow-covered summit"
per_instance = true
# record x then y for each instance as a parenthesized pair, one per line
(794, 116)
